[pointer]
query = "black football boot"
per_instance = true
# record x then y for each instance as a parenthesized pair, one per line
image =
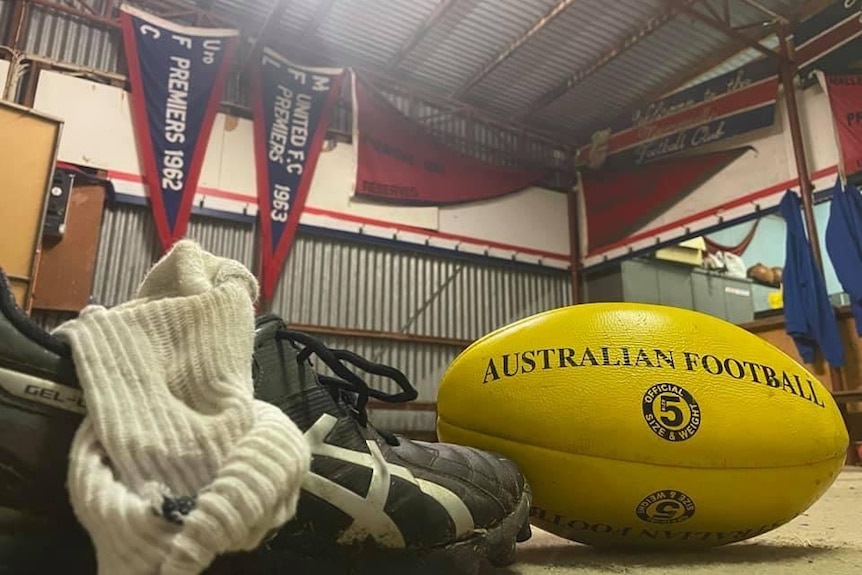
(41, 406)
(373, 502)
(377, 502)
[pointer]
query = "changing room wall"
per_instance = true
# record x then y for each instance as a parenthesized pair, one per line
(768, 247)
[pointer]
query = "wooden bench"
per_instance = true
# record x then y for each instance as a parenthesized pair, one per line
(842, 398)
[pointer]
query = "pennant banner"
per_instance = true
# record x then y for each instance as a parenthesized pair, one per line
(292, 106)
(735, 103)
(845, 101)
(177, 77)
(399, 162)
(617, 204)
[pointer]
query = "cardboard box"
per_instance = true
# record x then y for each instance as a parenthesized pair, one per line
(689, 252)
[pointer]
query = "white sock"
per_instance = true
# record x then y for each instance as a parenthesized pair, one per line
(167, 378)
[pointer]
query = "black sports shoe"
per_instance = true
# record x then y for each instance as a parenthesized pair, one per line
(374, 499)
(374, 502)
(41, 406)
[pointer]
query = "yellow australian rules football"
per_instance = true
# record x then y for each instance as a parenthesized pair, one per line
(647, 426)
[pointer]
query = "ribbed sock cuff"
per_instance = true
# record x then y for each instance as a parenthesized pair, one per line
(171, 413)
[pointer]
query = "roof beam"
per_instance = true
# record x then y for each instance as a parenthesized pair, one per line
(560, 89)
(709, 8)
(678, 80)
(274, 19)
(314, 51)
(722, 27)
(492, 65)
(317, 20)
(178, 7)
(84, 4)
(419, 34)
(671, 85)
(769, 12)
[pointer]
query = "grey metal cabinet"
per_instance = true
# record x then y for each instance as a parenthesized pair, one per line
(738, 301)
(708, 292)
(674, 285)
(725, 297)
(640, 282)
(657, 282)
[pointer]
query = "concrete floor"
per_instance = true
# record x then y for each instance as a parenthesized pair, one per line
(827, 540)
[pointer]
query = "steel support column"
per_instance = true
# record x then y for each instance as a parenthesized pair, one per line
(787, 72)
(806, 189)
(575, 229)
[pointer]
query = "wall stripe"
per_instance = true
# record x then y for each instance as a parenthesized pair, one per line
(337, 283)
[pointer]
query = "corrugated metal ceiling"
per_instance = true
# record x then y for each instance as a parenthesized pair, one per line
(563, 67)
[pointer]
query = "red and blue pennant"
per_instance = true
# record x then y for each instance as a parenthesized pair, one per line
(292, 106)
(177, 75)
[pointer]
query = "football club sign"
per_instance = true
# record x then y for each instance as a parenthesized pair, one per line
(177, 77)
(730, 105)
(292, 106)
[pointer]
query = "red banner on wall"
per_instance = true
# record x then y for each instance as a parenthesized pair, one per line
(618, 203)
(845, 100)
(177, 76)
(399, 162)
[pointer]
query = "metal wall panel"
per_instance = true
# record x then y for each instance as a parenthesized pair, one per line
(5, 14)
(129, 246)
(355, 286)
(64, 38)
(352, 285)
(337, 283)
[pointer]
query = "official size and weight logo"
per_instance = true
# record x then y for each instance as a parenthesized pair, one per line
(671, 412)
(666, 507)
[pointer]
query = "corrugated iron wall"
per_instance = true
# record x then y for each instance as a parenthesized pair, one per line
(330, 283)
(347, 285)
(5, 14)
(59, 37)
